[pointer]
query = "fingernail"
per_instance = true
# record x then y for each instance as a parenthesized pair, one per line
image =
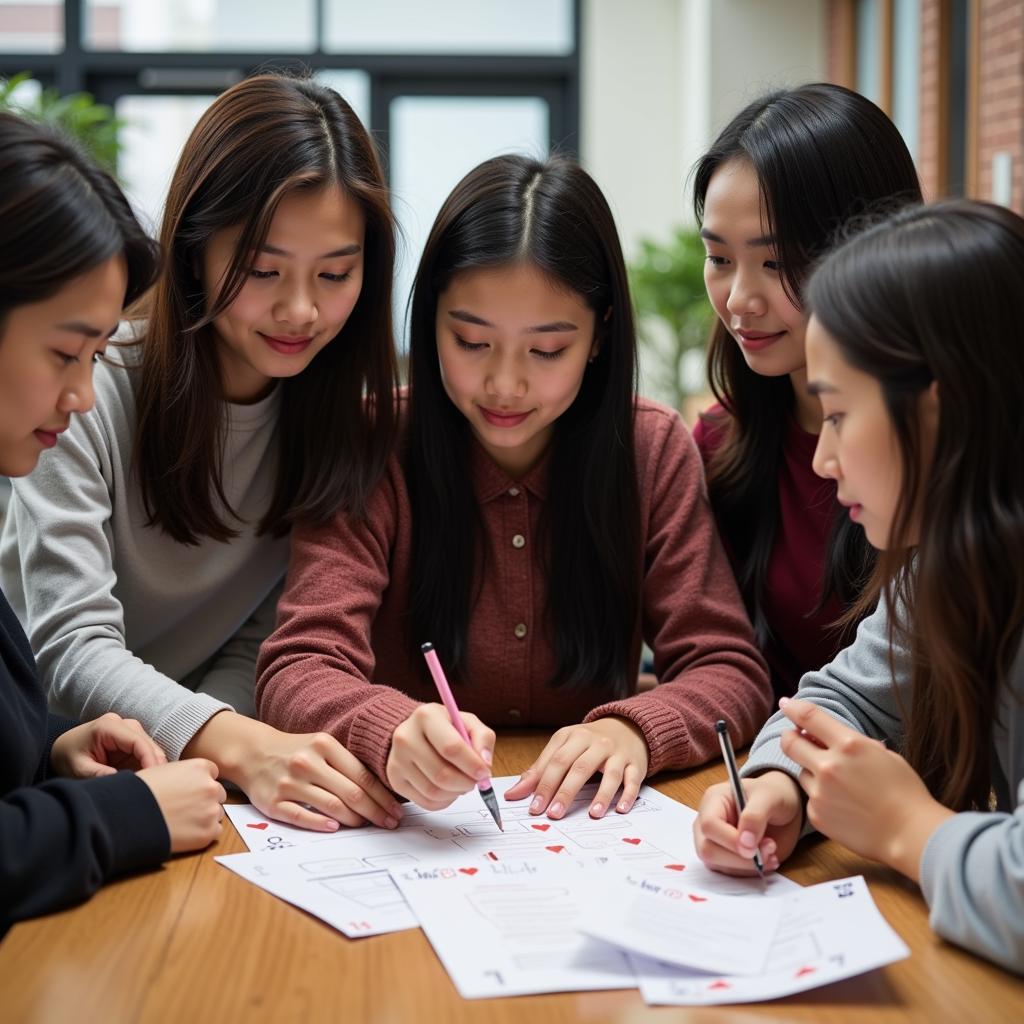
(773, 863)
(748, 839)
(487, 755)
(482, 774)
(333, 826)
(783, 701)
(537, 806)
(623, 807)
(555, 809)
(769, 847)
(596, 810)
(391, 823)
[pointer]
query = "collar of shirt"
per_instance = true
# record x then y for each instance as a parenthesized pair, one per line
(490, 481)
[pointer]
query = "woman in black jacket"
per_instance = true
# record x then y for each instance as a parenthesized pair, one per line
(72, 255)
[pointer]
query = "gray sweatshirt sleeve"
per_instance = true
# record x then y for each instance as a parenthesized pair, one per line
(972, 876)
(58, 570)
(855, 687)
(972, 868)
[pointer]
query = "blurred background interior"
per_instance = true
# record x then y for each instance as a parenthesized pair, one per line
(636, 90)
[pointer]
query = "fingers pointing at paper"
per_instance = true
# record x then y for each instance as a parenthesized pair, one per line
(612, 746)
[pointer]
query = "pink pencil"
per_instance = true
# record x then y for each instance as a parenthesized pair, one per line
(484, 785)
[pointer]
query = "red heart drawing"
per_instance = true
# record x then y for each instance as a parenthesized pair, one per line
(720, 984)
(804, 970)
(697, 899)
(555, 849)
(676, 867)
(261, 826)
(469, 871)
(541, 828)
(632, 842)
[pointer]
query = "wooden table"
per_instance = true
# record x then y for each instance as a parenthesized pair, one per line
(194, 943)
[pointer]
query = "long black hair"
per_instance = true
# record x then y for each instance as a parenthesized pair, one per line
(60, 216)
(551, 215)
(822, 154)
(933, 295)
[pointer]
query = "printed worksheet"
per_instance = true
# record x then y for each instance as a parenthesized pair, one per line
(654, 839)
(262, 834)
(511, 928)
(685, 926)
(827, 932)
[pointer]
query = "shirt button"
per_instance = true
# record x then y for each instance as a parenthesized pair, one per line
(514, 713)
(513, 492)
(519, 541)
(520, 630)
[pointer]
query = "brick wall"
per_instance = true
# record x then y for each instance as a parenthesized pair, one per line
(1000, 100)
(930, 159)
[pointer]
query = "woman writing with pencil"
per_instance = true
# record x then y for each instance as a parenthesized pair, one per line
(538, 522)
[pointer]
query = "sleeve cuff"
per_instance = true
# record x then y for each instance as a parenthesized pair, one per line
(176, 731)
(369, 736)
(132, 819)
(664, 729)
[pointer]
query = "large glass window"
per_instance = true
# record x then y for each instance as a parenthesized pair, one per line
(435, 141)
(449, 26)
(246, 26)
(31, 26)
(906, 70)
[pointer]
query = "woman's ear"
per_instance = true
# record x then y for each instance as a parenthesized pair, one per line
(595, 345)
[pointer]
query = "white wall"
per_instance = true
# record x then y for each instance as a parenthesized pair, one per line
(660, 77)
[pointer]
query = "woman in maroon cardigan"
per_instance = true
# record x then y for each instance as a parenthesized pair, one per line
(538, 523)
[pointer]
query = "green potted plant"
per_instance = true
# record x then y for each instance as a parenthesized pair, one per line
(673, 313)
(77, 115)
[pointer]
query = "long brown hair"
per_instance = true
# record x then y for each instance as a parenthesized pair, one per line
(264, 138)
(821, 154)
(933, 294)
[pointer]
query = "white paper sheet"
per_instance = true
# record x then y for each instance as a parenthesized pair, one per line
(510, 928)
(262, 834)
(685, 926)
(654, 839)
(827, 932)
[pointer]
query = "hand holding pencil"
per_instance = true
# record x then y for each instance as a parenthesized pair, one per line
(431, 763)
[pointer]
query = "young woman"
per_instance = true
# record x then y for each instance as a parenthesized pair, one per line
(71, 254)
(776, 184)
(913, 349)
(539, 522)
(146, 554)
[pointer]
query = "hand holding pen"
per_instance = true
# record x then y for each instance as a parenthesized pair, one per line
(729, 757)
(441, 682)
(430, 763)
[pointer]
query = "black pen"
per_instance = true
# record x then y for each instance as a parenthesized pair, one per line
(734, 780)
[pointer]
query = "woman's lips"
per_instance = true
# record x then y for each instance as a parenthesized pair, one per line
(758, 341)
(287, 345)
(497, 418)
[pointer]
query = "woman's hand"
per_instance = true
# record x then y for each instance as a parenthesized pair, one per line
(103, 747)
(615, 747)
(770, 824)
(307, 779)
(858, 792)
(431, 764)
(190, 799)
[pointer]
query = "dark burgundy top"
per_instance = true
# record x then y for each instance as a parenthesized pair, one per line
(801, 638)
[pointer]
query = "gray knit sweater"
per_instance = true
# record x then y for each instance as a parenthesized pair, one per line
(972, 869)
(120, 616)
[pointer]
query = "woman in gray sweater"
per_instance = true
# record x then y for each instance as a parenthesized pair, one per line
(909, 746)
